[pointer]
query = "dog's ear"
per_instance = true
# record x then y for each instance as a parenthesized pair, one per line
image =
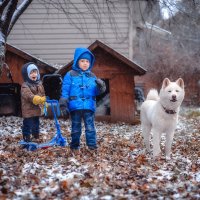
(180, 82)
(165, 83)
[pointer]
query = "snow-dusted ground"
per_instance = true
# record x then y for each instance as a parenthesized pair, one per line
(118, 170)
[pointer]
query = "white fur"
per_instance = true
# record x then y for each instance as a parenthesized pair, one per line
(154, 118)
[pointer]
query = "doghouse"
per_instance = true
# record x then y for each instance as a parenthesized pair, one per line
(11, 79)
(118, 72)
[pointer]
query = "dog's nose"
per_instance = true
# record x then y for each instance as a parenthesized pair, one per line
(174, 97)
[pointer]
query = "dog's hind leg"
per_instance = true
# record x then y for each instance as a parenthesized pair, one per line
(146, 133)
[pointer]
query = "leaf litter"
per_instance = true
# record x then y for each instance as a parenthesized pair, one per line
(119, 169)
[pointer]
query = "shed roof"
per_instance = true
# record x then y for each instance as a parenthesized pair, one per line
(98, 44)
(29, 57)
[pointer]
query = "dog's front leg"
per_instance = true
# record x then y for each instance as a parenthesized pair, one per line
(156, 143)
(168, 144)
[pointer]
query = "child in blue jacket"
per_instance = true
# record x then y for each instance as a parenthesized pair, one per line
(79, 90)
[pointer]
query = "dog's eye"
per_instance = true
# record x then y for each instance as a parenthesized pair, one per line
(169, 91)
(177, 90)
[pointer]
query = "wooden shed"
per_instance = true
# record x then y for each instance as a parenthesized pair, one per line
(11, 78)
(118, 73)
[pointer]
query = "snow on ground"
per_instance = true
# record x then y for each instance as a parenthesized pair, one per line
(120, 169)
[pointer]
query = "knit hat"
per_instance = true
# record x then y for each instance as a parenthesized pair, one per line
(32, 67)
(86, 55)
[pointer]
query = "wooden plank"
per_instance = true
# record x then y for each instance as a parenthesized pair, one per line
(122, 98)
(60, 36)
(61, 31)
(52, 40)
(68, 25)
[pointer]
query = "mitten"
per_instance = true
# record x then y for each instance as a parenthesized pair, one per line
(63, 107)
(39, 100)
(101, 85)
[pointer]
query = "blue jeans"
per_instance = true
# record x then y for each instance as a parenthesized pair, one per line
(30, 126)
(90, 131)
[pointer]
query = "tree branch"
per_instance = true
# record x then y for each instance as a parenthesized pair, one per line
(3, 5)
(8, 15)
(18, 13)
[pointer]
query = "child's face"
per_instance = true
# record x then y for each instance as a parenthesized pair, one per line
(84, 64)
(33, 75)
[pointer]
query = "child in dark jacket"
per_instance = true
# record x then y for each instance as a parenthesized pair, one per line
(79, 90)
(32, 101)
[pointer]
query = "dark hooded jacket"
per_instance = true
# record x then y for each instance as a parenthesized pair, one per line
(28, 90)
(79, 87)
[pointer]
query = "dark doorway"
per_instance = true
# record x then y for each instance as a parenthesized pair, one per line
(10, 100)
(103, 101)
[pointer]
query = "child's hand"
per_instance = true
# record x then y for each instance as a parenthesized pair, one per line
(43, 100)
(63, 107)
(99, 82)
(101, 85)
(64, 112)
(39, 100)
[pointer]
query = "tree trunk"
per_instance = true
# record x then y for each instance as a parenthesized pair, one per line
(9, 14)
(2, 50)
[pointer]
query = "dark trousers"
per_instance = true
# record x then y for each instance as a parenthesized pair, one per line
(30, 126)
(90, 131)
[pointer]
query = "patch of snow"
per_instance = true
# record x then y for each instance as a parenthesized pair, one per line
(197, 176)
(106, 197)
(85, 198)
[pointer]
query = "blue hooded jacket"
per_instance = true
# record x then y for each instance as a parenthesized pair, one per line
(79, 87)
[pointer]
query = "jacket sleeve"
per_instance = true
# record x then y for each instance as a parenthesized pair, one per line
(26, 93)
(101, 86)
(66, 86)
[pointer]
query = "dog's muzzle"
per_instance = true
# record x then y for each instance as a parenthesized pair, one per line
(173, 98)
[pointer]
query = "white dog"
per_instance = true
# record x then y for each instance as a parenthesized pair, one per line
(159, 114)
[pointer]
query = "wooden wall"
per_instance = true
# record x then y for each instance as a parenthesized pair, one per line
(121, 98)
(48, 33)
(15, 63)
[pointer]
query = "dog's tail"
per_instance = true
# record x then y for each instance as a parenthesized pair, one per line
(153, 95)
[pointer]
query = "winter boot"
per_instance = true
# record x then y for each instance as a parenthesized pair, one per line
(35, 135)
(27, 138)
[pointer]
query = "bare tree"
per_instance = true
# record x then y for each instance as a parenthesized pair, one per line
(170, 47)
(167, 59)
(10, 11)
